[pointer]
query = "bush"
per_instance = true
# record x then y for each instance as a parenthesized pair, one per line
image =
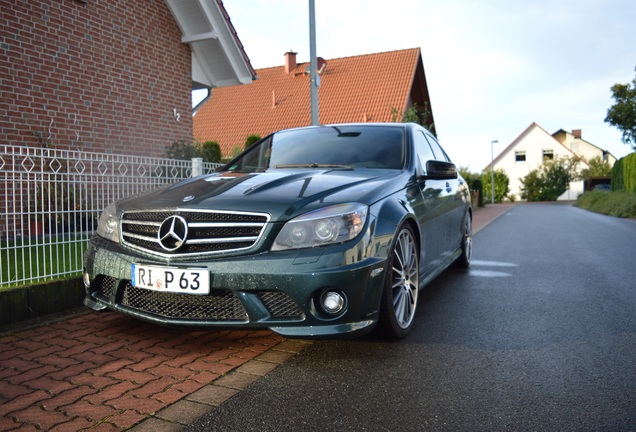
(211, 151)
(619, 204)
(550, 180)
(251, 140)
(624, 174)
(182, 150)
(474, 183)
(618, 182)
(629, 172)
(502, 185)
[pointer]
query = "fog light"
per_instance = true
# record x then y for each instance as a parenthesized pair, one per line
(332, 302)
(87, 280)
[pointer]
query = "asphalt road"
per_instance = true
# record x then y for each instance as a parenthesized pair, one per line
(539, 335)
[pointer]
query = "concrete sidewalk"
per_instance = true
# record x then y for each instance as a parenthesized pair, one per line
(103, 371)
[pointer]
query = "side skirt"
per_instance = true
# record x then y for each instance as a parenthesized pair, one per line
(444, 264)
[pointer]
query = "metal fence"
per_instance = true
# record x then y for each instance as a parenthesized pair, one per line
(51, 200)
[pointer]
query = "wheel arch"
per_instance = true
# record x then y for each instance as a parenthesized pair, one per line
(392, 215)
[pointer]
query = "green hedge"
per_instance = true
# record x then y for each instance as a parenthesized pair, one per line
(620, 204)
(624, 174)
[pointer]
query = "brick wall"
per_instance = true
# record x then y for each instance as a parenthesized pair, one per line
(94, 75)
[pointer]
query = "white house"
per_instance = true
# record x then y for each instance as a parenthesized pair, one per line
(528, 151)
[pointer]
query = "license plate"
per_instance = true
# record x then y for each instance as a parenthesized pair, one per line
(170, 279)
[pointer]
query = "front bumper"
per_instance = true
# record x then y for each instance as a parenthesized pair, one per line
(279, 291)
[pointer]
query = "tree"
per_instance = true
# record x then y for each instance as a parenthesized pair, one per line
(622, 114)
(550, 180)
(414, 115)
(597, 168)
(502, 185)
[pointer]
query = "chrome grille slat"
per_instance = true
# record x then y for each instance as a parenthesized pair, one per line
(222, 224)
(222, 240)
(141, 237)
(209, 232)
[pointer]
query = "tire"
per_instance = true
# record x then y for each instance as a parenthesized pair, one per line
(401, 287)
(463, 261)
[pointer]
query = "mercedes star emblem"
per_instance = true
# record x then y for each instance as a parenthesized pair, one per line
(172, 233)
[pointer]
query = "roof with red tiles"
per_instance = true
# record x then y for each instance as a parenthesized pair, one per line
(365, 88)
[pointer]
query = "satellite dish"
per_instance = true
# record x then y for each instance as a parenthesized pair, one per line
(321, 63)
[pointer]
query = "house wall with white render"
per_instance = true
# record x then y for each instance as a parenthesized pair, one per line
(528, 151)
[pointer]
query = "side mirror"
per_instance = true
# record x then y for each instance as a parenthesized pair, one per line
(437, 170)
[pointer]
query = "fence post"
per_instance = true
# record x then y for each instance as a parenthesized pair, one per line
(197, 166)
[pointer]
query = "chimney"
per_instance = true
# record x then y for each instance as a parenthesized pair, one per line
(290, 61)
(577, 133)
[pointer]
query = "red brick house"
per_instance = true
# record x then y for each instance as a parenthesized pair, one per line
(111, 75)
(365, 88)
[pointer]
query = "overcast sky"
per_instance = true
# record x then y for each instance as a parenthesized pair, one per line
(492, 66)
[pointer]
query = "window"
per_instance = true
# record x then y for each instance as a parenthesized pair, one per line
(520, 156)
(440, 154)
(548, 154)
(423, 150)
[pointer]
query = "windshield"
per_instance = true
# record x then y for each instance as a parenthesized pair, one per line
(326, 147)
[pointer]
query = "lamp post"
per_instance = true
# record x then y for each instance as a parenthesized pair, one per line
(313, 65)
(492, 170)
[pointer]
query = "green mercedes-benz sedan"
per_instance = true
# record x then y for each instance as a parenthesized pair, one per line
(313, 232)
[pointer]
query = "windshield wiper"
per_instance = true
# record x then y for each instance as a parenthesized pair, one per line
(313, 165)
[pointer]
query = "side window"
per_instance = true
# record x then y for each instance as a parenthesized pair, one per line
(520, 156)
(440, 154)
(548, 154)
(422, 150)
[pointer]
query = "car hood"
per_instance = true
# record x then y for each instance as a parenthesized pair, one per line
(283, 194)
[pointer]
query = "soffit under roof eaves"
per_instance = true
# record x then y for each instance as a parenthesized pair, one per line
(218, 58)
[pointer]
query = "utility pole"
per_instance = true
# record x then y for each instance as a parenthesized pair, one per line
(313, 64)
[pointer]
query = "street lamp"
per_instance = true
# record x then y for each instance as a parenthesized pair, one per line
(313, 65)
(492, 170)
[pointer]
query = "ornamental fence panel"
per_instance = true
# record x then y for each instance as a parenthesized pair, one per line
(51, 200)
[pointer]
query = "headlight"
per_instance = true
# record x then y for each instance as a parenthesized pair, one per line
(108, 226)
(329, 225)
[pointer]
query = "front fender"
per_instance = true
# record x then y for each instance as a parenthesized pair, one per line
(390, 214)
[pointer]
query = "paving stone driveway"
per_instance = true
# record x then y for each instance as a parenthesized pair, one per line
(104, 371)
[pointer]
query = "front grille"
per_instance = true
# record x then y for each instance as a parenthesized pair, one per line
(208, 232)
(104, 285)
(280, 305)
(219, 305)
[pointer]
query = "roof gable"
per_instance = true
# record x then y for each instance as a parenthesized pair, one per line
(365, 88)
(566, 138)
(218, 57)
